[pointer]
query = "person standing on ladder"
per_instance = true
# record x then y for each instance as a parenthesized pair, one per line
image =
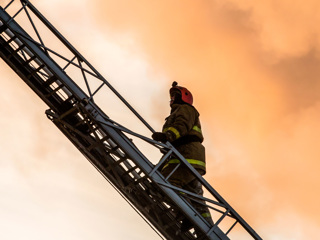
(183, 130)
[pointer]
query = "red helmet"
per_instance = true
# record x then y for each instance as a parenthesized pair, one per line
(186, 95)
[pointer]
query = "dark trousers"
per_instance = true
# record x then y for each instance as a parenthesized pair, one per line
(183, 178)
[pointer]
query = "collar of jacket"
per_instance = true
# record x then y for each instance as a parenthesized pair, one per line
(177, 105)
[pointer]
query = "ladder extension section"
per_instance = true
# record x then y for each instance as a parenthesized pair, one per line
(104, 142)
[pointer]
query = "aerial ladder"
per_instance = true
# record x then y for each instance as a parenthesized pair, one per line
(107, 145)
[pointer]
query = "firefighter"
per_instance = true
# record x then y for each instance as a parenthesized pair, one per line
(183, 130)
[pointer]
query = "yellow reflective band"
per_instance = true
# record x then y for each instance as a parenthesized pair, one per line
(165, 166)
(206, 215)
(196, 128)
(196, 162)
(191, 161)
(172, 129)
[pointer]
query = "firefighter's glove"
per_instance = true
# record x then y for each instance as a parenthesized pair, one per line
(159, 136)
(170, 136)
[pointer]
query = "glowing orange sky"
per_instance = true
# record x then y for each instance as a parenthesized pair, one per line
(254, 70)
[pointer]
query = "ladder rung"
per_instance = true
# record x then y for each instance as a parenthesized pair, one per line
(70, 98)
(34, 71)
(121, 160)
(16, 51)
(50, 81)
(9, 41)
(55, 90)
(136, 182)
(29, 60)
(131, 170)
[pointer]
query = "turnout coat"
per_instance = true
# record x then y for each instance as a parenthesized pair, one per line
(184, 132)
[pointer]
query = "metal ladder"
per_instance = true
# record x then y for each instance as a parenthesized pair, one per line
(104, 142)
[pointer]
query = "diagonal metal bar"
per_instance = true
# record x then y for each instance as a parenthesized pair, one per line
(8, 4)
(172, 172)
(69, 62)
(15, 15)
(85, 79)
(33, 25)
(229, 230)
(219, 220)
(162, 160)
(97, 90)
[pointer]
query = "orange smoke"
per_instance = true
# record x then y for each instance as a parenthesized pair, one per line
(253, 68)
